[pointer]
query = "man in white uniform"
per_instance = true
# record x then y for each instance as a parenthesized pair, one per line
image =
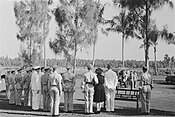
(36, 88)
(111, 81)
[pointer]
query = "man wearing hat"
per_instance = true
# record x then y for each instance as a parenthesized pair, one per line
(18, 80)
(12, 87)
(44, 89)
(36, 89)
(87, 87)
(111, 81)
(55, 88)
(68, 83)
(26, 84)
(146, 85)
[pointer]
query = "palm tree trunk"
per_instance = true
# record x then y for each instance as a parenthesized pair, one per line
(155, 60)
(75, 55)
(123, 62)
(93, 59)
(147, 39)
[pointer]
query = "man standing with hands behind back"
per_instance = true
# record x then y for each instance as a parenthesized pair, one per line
(111, 81)
(68, 83)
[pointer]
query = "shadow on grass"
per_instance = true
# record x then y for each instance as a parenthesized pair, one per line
(78, 109)
(32, 114)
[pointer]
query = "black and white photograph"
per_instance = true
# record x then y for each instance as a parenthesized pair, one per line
(87, 58)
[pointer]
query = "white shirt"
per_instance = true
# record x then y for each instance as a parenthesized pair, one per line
(55, 79)
(35, 81)
(89, 77)
(111, 79)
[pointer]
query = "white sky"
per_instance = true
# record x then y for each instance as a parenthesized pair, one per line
(107, 47)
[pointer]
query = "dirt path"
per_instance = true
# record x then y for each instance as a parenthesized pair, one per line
(162, 104)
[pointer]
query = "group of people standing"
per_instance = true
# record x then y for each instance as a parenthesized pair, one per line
(98, 87)
(128, 78)
(43, 87)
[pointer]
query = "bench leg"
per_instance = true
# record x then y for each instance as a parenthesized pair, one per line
(137, 106)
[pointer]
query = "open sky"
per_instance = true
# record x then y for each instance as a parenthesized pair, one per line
(107, 47)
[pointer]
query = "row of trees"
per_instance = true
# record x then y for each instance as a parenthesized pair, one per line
(168, 62)
(77, 27)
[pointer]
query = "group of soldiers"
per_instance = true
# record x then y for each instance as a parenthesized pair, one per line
(41, 88)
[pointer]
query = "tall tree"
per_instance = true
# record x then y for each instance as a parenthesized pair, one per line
(73, 33)
(33, 20)
(143, 9)
(122, 24)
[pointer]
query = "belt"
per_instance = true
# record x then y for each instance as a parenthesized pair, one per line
(89, 83)
(45, 84)
(54, 85)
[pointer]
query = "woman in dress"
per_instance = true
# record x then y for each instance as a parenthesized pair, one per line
(99, 94)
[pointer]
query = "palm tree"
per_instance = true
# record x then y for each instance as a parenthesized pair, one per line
(154, 34)
(122, 24)
(143, 9)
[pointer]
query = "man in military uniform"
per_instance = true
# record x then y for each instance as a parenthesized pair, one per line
(55, 88)
(87, 87)
(7, 84)
(44, 89)
(146, 85)
(68, 83)
(41, 73)
(26, 85)
(18, 80)
(12, 87)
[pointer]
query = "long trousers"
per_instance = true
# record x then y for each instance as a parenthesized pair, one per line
(68, 101)
(18, 96)
(35, 99)
(145, 97)
(55, 100)
(12, 96)
(110, 95)
(26, 96)
(89, 96)
(46, 99)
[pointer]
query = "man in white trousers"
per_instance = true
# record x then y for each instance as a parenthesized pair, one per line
(111, 81)
(36, 88)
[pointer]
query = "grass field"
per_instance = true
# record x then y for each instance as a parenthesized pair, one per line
(162, 103)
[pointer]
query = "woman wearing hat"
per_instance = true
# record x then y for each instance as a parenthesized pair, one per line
(99, 94)
(146, 85)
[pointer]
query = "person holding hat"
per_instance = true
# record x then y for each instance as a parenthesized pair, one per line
(87, 87)
(36, 89)
(146, 85)
(26, 85)
(111, 81)
(44, 88)
(18, 80)
(68, 84)
(99, 94)
(12, 87)
(55, 89)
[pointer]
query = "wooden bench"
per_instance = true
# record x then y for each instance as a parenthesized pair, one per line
(125, 94)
